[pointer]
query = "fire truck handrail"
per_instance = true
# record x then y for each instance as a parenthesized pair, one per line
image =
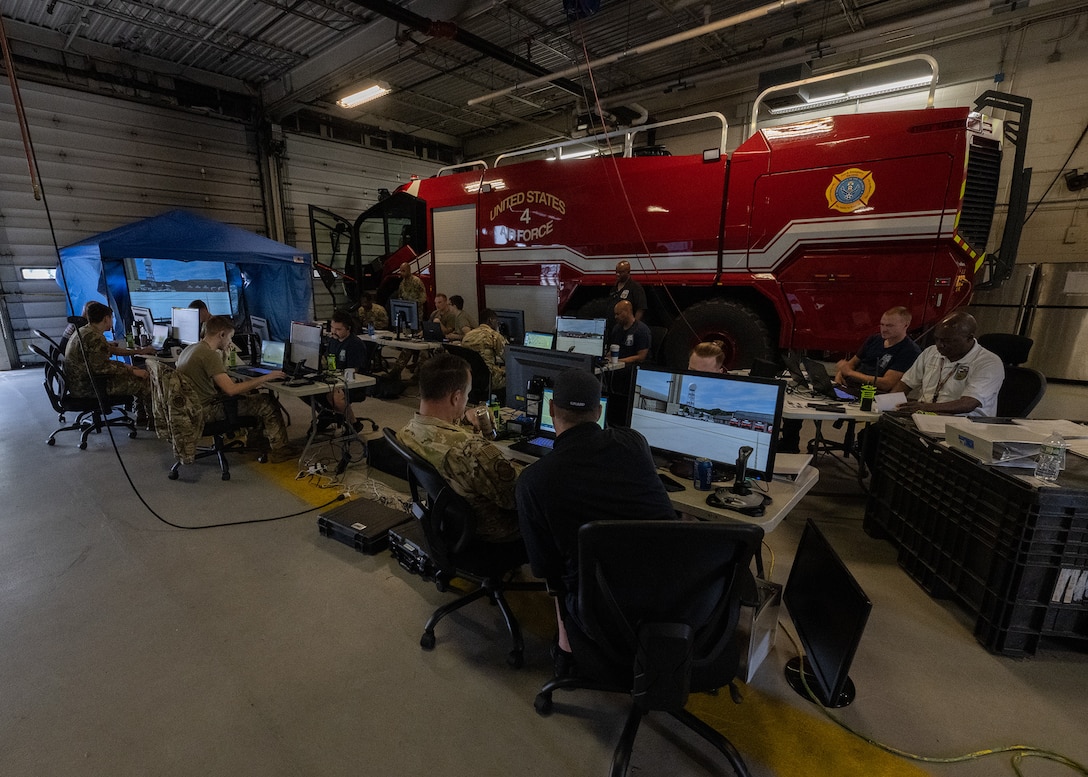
(461, 168)
(934, 70)
(627, 133)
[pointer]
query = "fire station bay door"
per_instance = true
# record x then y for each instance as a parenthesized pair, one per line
(454, 231)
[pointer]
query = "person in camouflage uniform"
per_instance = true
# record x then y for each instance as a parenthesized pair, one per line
(491, 346)
(371, 313)
(473, 466)
(462, 321)
(411, 288)
(443, 314)
(87, 356)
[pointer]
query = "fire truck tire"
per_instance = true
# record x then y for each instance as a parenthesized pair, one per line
(596, 308)
(744, 334)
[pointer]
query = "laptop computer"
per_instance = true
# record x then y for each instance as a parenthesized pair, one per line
(764, 368)
(539, 340)
(793, 367)
(271, 359)
(821, 382)
(541, 444)
(432, 332)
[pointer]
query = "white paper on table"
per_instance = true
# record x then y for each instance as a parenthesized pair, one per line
(1079, 447)
(933, 425)
(1046, 426)
(885, 402)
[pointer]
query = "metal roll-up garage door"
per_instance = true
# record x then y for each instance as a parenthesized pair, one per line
(105, 162)
(343, 178)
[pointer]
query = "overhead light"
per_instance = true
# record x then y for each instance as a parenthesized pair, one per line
(854, 94)
(363, 96)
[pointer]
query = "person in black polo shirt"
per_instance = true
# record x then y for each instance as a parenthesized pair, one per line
(591, 474)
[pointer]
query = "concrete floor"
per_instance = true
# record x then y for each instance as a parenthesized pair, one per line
(130, 647)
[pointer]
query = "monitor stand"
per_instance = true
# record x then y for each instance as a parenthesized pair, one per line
(793, 677)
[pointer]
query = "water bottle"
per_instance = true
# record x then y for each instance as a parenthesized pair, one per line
(1051, 458)
(370, 328)
(868, 392)
(496, 412)
(130, 339)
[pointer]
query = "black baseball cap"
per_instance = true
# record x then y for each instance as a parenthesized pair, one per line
(576, 390)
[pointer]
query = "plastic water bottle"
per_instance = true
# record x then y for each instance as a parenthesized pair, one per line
(370, 328)
(1051, 458)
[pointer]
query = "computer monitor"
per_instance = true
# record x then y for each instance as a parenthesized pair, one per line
(539, 340)
(407, 309)
(829, 610)
(144, 317)
(691, 415)
(159, 334)
(546, 423)
(525, 365)
(511, 325)
(259, 327)
(185, 325)
(580, 335)
(306, 343)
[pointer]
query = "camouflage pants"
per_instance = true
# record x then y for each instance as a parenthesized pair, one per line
(264, 407)
(131, 386)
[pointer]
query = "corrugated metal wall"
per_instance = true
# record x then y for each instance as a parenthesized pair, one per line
(106, 162)
(343, 178)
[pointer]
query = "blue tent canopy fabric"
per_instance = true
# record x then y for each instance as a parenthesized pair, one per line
(277, 277)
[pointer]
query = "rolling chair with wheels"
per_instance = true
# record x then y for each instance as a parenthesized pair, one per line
(448, 523)
(93, 414)
(1010, 348)
(179, 419)
(1022, 389)
(655, 617)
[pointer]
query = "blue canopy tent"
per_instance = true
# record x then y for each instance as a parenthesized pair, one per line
(273, 279)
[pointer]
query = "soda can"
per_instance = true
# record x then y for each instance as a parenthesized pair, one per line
(702, 474)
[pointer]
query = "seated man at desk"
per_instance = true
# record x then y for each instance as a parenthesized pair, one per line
(462, 321)
(371, 313)
(955, 375)
(443, 314)
(591, 474)
(474, 467)
(350, 353)
(486, 341)
(202, 363)
(707, 357)
(87, 355)
(630, 334)
(882, 358)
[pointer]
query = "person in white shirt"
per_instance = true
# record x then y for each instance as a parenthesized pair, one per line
(955, 375)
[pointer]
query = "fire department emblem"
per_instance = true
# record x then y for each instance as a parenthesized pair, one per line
(850, 190)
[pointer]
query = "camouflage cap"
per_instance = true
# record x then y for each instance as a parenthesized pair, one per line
(576, 390)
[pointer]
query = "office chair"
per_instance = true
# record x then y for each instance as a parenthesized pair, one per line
(448, 523)
(656, 617)
(481, 375)
(93, 414)
(1010, 348)
(179, 418)
(657, 344)
(1022, 389)
(55, 349)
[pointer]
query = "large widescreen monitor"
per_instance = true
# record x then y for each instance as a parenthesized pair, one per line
(185, 325)
(580, 335)
(407, 309)
(164, 284)
(306, 344)
(511, 325)
(525, 365)
(829, 610)
(692, 415)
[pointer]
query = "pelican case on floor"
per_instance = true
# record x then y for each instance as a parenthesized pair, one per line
(409, 548)
(362, 524)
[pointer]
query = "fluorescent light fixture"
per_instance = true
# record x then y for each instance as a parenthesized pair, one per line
(580, 154)
(363, 96)
(855, 94)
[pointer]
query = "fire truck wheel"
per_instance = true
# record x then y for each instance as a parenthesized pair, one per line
(743, 333)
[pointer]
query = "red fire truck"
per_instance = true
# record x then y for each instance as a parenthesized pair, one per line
(798, 240)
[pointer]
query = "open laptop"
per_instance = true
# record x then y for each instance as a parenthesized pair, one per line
(793, 367)
(271, 359)
(541, 444)
(822, 384)
(432, 332)
(539, 340)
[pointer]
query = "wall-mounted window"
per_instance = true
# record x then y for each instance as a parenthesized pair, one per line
(38, 273)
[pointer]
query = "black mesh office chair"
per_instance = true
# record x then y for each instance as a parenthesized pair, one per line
(55, 349)
(481, 375)
(1021, 391)
(1010, 348)
(656, 616)
(180, 420)
(448, 523)
(93, 414)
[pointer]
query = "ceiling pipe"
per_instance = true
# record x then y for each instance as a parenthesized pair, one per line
(646, 48)
(476, 43)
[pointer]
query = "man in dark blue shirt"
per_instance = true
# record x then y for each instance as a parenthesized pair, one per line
(591, 474)
(630, 334)
(882, 358)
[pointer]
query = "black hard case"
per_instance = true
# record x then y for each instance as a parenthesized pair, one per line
(362, 524)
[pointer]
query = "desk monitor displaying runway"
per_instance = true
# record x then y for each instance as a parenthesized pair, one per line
(702, 415)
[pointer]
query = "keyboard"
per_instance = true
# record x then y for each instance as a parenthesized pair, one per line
(252, 372)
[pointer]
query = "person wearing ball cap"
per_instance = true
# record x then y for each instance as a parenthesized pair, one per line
(592, 474)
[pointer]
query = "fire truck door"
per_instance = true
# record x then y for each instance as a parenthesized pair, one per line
(455, 256)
